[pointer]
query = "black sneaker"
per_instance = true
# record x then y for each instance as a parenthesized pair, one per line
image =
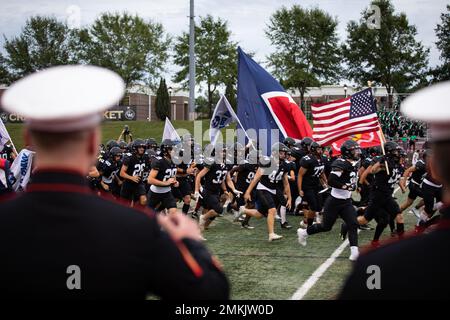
(343, 232)
(364, 227)
(286, 225)
(245, 225)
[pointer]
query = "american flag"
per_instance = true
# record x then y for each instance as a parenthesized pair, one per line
(341, 118)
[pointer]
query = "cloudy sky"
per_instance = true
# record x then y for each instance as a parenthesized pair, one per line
(247, 18)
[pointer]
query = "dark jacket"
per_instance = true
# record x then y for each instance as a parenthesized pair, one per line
(414, 268)
(120, 252)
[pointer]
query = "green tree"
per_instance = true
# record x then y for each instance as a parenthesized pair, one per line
(4, 73)
(127, 44)
(390, 55)
(43, 42)
(442, 72)
(162, 101)
(307, 51)
(215, 56)
(231, 94)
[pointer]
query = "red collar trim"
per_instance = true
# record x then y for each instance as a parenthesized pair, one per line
(57, 187)
(71, 188)
(59, 170)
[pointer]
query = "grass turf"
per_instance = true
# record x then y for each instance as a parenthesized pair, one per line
(256, 268)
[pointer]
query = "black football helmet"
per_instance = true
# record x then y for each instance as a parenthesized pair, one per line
(289, 142)
(139, 143)
(152, 144)
(306, 143)
(111, 144)
(296, 152)
(123, 145)
(278, 148)
(166, 146)
(350, 150)
(316, 148)
(115, 151)
(392, 150)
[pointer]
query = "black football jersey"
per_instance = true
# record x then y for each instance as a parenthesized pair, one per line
(382, 181)
(420, 172)
(215, 176)
(368, 161)
(108, 170)
(137, 166)
(290, 166)
(314, 168)
(166, 168)
(273, 175)
(345, 173)
(349, 171)
(7, 153)
(246, 173)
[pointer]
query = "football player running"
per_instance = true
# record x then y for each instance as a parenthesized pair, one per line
(271, 172)
(343, 181)
(162, 178)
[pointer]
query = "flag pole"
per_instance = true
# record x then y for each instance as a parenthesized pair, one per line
(381, 136)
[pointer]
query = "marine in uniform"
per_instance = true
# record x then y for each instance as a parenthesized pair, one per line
(61, 241)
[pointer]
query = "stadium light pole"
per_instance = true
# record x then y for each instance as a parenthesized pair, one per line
(191, 59)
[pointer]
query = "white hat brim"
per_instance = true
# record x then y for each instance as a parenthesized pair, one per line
(431, 104)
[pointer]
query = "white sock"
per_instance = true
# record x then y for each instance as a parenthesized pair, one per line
(438, 205)
(424, 217)
(283, 214)
(354, 249)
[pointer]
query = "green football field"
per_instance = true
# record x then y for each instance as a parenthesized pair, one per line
(256, 268)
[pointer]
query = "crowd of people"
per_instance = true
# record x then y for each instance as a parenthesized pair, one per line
(142, 243)
(398, 128)
(297, 178)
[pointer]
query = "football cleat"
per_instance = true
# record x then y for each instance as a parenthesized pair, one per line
(354, 253)
(286, 225)
(364, 227)
(274, 236)
(247, 226)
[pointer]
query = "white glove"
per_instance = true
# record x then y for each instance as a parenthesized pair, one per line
(197, 195)
(237, 193)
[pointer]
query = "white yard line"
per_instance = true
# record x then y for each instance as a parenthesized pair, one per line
(303, 290)
(312, 280)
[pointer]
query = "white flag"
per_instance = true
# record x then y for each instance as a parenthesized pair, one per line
(21, 169)
(170, 132)
(223, 115)
(4, 136)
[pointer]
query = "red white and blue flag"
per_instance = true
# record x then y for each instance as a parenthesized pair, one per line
(264, 104)
(342, 118)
